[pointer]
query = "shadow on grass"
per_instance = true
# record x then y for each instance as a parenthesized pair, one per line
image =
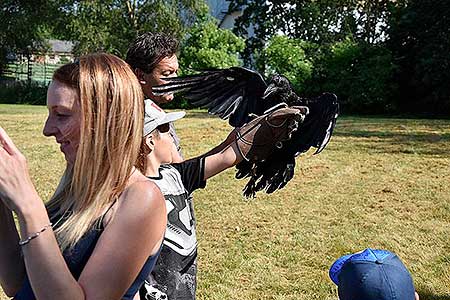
(400, 142)
(385, 135)
(200, 115)
(419, 136)
(427, 295)
(397, 136)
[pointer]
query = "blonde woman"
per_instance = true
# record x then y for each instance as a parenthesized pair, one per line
(100, 233)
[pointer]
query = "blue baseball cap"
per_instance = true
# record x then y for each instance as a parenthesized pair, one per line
(372, 274)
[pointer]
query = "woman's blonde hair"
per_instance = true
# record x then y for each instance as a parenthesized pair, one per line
(112, 111)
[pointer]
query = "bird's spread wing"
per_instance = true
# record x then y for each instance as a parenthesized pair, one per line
(231, 93)
(318, 126)
(278, 169)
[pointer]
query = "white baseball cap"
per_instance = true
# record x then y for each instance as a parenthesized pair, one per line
(154, 116)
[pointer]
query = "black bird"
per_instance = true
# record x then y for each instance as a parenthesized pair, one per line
(238, 94)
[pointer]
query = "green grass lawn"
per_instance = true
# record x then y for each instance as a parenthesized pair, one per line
(380, 183)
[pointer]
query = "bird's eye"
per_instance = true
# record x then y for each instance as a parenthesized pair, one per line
(230, 78)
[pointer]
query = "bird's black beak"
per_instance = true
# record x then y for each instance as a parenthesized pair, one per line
(272, 88)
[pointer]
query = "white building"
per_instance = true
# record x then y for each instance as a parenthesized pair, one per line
(219, 10)
(57, 52)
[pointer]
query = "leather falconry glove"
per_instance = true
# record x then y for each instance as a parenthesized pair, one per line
(257, 139)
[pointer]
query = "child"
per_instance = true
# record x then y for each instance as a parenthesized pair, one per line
(372, 275)
(174, 276)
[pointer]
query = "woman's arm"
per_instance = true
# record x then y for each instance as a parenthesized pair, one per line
(12, 270)
(134, 233)
(44, 263)
(47, 271)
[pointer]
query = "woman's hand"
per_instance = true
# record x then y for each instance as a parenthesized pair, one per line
(16, 189)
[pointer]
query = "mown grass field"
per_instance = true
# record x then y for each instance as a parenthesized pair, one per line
(380, 183)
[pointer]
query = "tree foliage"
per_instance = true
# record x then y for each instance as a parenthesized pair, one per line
(24, 26)
(286, 56)
(379, 56)
(208, 46)
(361, 75)
(110, 25)
(420, 41)
(256, 20)
(322, 21)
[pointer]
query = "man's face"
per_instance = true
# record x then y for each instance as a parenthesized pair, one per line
(167, 67)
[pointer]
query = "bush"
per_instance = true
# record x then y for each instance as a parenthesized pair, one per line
(361, 75)
(206, 46)
(419, 38)
(287, 57)
(23, 92)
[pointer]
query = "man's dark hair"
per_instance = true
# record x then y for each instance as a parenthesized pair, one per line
(148, 49)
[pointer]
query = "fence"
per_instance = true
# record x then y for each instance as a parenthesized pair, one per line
(40, 72)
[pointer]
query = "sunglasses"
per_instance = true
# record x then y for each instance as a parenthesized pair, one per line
(163, 128)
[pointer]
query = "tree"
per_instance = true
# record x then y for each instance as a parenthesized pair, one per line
(360, 74)
(286, 56)
(204, 47)
(24, 26)
(420, 41)
(323, 22)
(111, 25)
(255, 19)
(207, 46)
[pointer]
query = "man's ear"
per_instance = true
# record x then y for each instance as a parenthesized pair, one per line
(140, 75)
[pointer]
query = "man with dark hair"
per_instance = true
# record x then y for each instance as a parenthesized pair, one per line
(153, 57)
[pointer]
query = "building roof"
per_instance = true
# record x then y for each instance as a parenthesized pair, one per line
(58, 46)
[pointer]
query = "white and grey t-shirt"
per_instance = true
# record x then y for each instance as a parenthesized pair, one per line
(174, 275)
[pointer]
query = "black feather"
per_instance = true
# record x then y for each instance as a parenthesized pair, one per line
(236, 94)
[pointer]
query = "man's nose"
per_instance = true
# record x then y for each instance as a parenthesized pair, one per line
(48, 129)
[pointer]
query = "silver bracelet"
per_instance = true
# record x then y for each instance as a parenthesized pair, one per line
(34, 235)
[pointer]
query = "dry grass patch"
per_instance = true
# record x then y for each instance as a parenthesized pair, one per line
(381, 183)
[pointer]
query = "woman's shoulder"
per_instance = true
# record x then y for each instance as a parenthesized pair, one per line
(141, 198)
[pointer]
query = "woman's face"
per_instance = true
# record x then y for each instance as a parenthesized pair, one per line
(64, 118)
